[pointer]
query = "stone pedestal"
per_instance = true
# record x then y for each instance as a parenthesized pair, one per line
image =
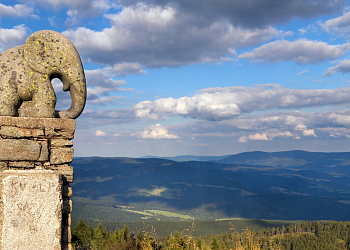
(35, 209)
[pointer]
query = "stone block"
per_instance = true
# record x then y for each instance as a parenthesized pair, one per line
(44, 153)
(53, 127)
(66, 233)
(31, 210)
(55, 143)
(19, 150)
(14, 132)
(3, 166)
(61, 155)
(65, 170)
(67, 206)
(67, 191)
(21, 164)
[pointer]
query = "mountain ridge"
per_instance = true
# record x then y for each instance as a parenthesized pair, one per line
(293, 187)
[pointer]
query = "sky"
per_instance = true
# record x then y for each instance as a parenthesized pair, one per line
(215, 77)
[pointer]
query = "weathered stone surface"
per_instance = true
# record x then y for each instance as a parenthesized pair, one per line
(26, 74)
(54, 128)
(3, 166)
(21, 164)
(67, 191)
(67, 206)
(65, 170)
(14, 132)
(66, 233)
(31, 210)
(61, 155)
(55, 143)
(19, 150)
(44, 153)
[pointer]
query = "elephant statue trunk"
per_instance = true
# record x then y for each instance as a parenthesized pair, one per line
(26, 72)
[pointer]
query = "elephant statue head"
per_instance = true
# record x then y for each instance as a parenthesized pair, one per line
(26, 72)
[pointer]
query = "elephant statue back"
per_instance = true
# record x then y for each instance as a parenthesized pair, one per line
(26, 72)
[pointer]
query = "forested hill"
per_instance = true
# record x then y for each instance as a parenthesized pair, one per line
(294, 185)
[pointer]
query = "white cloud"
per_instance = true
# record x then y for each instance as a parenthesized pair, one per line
(117, 134)
(157, 36)
(100, 89)
(10, 38)
(100, 133)
(104, 100)
(226, 103)
(155, 132)
(18, 10)
(258, 137)
(338, 26)
(271, 126)
(100, 85)
(122, 69)
(303, 72)
(108, 116)
(309, 132)
(264, 136)
(343, 66)
(302, 31)
(52, 20)
(301, 51)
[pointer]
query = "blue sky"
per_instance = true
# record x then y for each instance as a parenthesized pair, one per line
(177, 77)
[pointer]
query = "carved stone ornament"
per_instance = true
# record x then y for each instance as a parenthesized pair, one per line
(26, 72)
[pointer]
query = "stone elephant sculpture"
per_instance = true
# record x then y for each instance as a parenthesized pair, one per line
(26, 72)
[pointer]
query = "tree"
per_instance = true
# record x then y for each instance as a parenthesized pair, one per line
(214, 244)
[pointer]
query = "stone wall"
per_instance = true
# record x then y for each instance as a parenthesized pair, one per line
(36, 149)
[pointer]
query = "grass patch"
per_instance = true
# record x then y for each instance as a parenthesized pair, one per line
(157, 191)
(171, 214)
(139, 212)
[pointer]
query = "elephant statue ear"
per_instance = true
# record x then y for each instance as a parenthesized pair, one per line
(46, 50)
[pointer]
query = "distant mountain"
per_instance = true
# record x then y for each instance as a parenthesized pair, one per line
(293, 159)
(293, 185)
(181, 158)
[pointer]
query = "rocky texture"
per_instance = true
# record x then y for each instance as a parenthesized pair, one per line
(37, 145)
(14, 132)
(31, 210)
(53, 128)
(17, 150)
(61, 155)
(26, 72)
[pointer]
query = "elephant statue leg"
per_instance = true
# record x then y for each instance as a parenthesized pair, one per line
(10, 77)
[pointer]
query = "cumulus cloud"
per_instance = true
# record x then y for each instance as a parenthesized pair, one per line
(301, 51)
(155, 132)
(270, 126)
(309, 132)
(106, 116)
(101, 85)
(343, 67)
(157, 36)
(229, 102)
(101, 89)
(18, 10)
(100, 133)
(252, 13)
(123, 69)
(264, 136)
(338, 26)
(12, 37)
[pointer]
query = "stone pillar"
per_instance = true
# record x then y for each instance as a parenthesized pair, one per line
(35, 209)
